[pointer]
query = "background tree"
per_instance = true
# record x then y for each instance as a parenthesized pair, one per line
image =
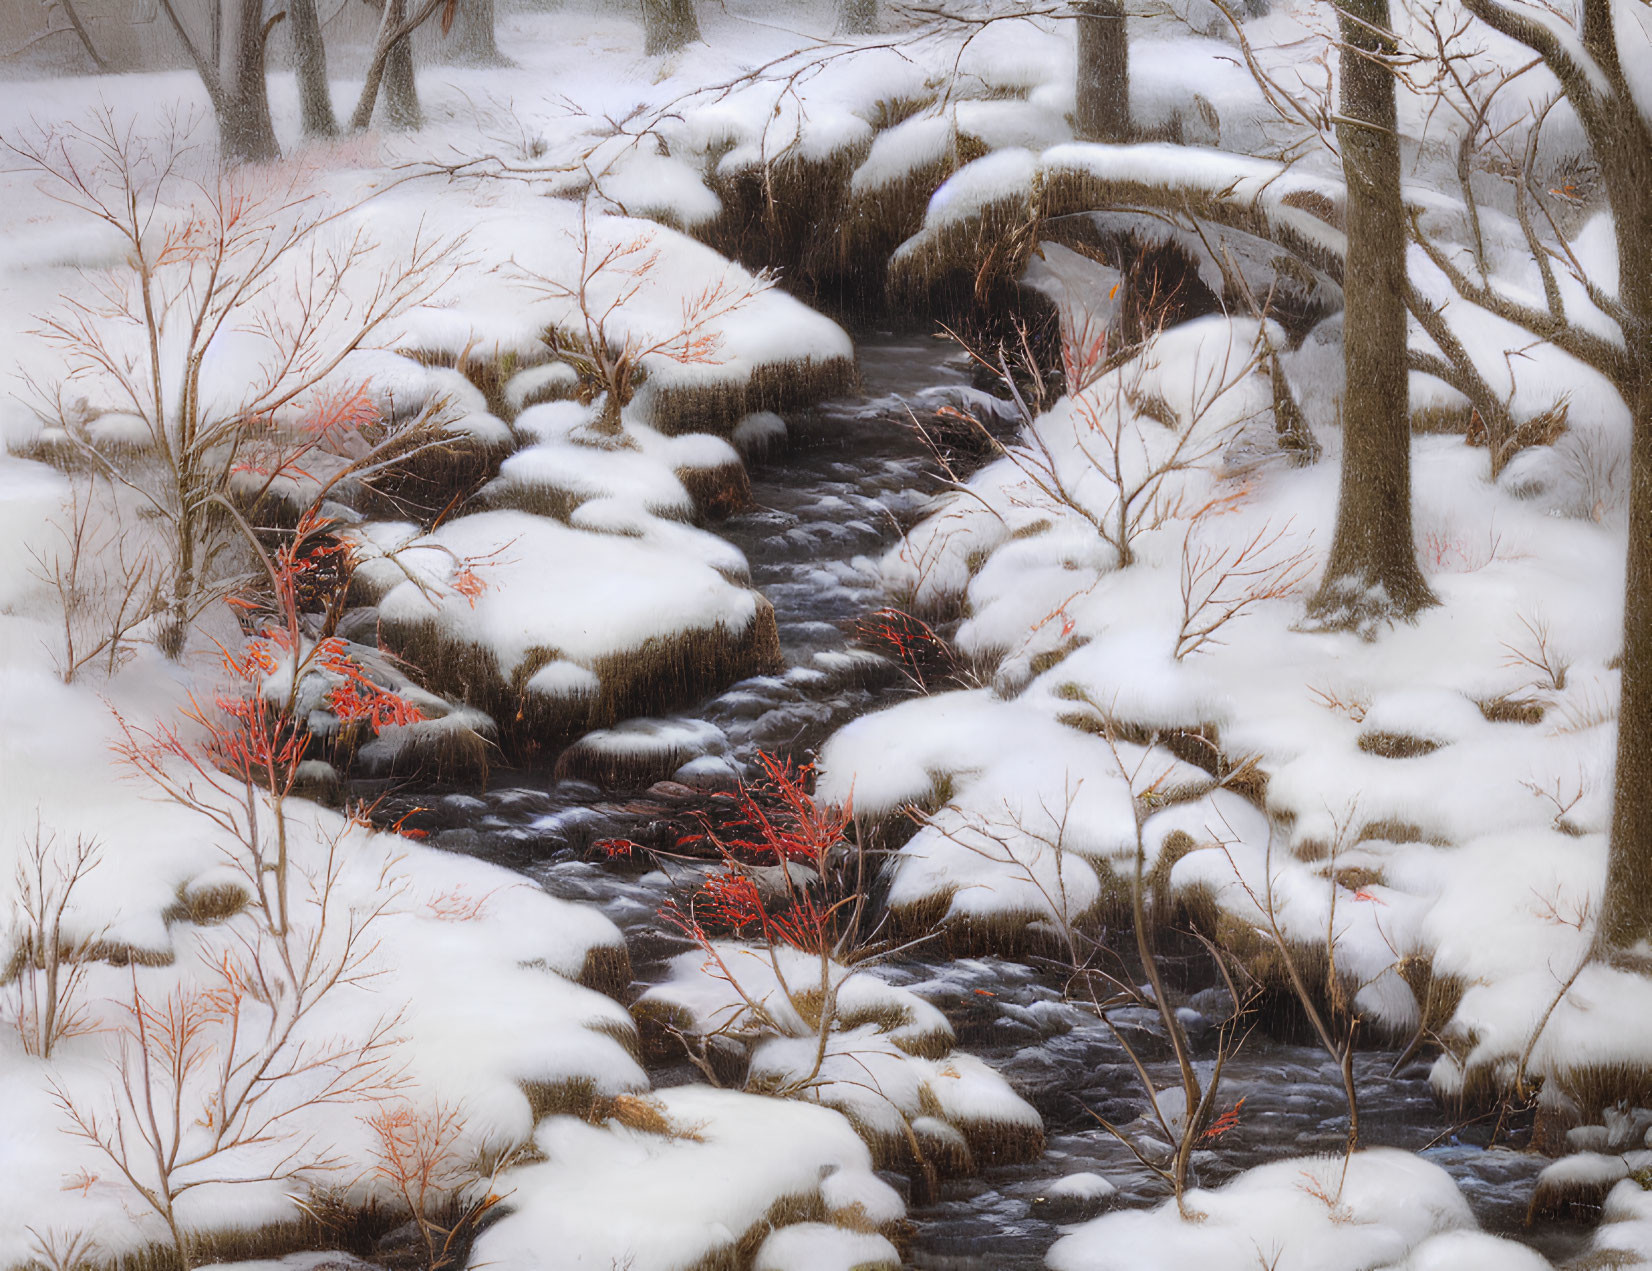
(857, 17)
(1103, 112)
(1372, 573)
(391, 65)
(472, 39)
(240, 97)
(315, 99)
(254, 273)
(1589, 67)
(71, 24)
(668, 25)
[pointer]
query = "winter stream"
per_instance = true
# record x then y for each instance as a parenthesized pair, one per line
(822, 509)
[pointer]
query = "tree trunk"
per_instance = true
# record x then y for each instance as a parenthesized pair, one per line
(245, 133)
(472, 41)
(1103, 112)
(1372, 574)
(401, 94)
(79, 28)
(668, 25)
(391, 67)
(239, 93)
(314, 98)
(857, 17)
(1626, 165)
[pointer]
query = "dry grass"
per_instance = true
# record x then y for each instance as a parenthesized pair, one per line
(658, 675)
(717, 405)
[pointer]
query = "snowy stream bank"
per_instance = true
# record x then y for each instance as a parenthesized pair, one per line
(821, 511)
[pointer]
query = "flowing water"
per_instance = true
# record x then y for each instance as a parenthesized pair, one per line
(821, 512)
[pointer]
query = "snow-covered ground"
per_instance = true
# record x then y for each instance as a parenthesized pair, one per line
(1422, 811)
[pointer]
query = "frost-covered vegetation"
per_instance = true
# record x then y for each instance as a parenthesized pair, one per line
(1274, 663)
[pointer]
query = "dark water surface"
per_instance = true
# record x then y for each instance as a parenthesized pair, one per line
(823, 510)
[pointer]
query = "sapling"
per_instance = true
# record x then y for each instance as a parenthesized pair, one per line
(249, 261)
(420, 1154)
(609, 347)
(222, 1078)
(1219, 584)
(1016, 843)
(106, 579)
(1123, 432)
(1332, 1016)
(1199, 1120)
(46, 978)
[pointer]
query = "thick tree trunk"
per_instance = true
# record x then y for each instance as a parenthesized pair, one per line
(668, 25)
(472, 41)
(1372, 574)
(1103, 112)
(1626, 916)
(401, 94)
(240, 95)
(245, 132)
(857, 17)
(314, 97)
(391, 67)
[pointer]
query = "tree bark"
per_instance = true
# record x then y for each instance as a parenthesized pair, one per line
(1103, 112)
(240, 99)
(401, 93)
(1372, 574)
(1624, 156)
(392, 67)
(315, 99)
(668, 25)
(857, 17)
(247, 131)
(473, 41)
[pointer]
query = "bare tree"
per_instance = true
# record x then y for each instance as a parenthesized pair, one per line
(71, 25)
(1221, 583)
(857, 17)
(240, 96)
(48, 962)
(1585, 57)
(106, 579)
(418, 1153)
(1372, 574)
(249, 259)
(473, 40)
(609, 356)
(391, 65)
(220, 1080)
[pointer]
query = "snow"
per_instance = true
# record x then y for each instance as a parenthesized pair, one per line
(1081, 1186)
(616, 1195)
(1295, 1215)
(1383, 760)
(882, 1074)
(819, 1247)
(1472, 1251)
(587, 596)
